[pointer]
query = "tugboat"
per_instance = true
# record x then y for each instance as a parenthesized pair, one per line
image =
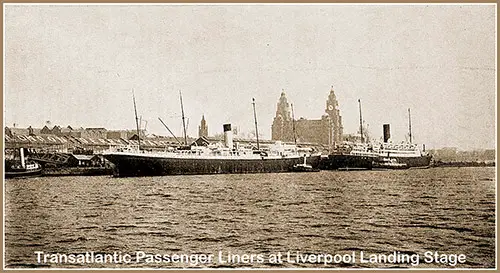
(304, 167)
(22, 168)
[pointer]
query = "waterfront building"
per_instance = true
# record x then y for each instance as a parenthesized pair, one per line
(125, 134)
(13, 131)
(327, 130)
(117, 134)
(56, 130)
(94, 133)
(45, 130)
(69, 131)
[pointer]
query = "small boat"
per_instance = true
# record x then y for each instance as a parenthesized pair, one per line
(304, 167)
(30, 169)
(22, 168)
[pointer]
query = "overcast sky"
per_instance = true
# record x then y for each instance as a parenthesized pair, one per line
(77, 65)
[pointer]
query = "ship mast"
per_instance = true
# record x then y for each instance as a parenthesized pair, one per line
(409, 123)
(183, 119)
(169, 130)
(136, 120)
(293, 126)
(360, 122)
(255, 118)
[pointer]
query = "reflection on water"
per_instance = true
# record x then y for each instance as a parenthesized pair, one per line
(450, 210)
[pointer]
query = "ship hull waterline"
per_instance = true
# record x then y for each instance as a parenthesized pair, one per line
(356, 162)
(423, 161)
(127, 165)
(23, 174)
(346, 162)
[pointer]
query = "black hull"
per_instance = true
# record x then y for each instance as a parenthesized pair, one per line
(354, 162)
(133, 165)
(20, 174)
(338, 161)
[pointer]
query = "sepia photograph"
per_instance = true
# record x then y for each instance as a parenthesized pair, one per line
(249, 136)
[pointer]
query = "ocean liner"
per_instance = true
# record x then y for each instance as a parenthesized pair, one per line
(366, 156)
(385, 155)
(211, 159)
(400, 156)
(349, 156)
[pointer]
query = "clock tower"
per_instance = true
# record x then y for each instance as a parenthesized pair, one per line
(333, 112)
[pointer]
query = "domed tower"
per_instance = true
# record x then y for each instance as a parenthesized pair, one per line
(283, 109)
(333, 111)
(282, 123)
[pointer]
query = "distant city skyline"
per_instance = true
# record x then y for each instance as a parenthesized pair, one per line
(78, 64)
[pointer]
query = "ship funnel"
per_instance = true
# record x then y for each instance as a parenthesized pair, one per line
(21, 152)
(228, 136)
(387, 132)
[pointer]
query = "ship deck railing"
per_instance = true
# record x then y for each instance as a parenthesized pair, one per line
(198, 153)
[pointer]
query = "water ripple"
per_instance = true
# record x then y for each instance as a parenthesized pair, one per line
(450, 210)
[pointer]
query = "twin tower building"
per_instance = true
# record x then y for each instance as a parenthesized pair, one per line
(328, 130)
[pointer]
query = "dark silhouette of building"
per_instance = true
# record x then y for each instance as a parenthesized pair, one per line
(203, 128)
(45, 130)
(69, 131)
(282, 128)
(117, 134)
(328, 130)
(201, 141)
(95, 132)
(8, 132)
(56, 130)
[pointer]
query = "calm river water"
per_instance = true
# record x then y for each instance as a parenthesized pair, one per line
(448, 210)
